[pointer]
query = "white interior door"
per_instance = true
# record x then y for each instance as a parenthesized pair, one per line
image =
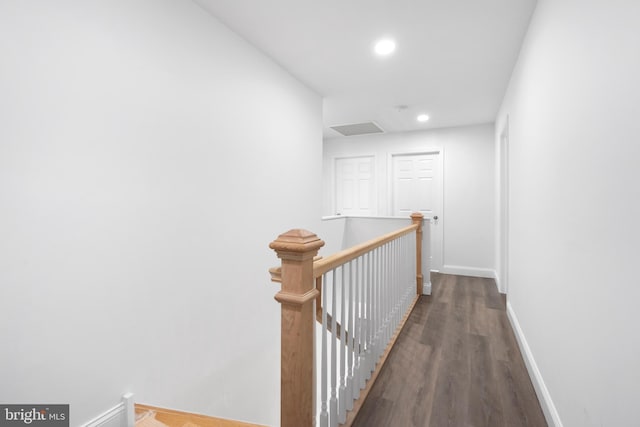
(355, 186)
(417, 187)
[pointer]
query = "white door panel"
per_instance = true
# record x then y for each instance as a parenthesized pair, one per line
(417, 187)
(355, 186)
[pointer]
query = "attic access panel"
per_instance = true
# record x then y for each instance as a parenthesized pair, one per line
(357, 129)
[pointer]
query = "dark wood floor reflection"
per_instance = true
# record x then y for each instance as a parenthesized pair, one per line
(456, 363)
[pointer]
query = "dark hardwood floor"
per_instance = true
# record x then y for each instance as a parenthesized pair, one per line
(456, 363)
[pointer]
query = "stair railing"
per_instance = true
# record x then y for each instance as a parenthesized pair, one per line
(362, 296)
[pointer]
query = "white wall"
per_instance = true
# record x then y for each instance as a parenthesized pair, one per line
(468, 212)
(145, 156)
(575, 202)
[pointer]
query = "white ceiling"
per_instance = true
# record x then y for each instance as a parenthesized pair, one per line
(453, 58)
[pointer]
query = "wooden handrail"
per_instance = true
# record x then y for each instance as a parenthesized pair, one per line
(323, 265)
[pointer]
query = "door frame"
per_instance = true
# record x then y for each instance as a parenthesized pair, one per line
(441, 217)
(503, 277)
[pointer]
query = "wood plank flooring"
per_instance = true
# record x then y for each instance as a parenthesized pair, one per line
(456, 363)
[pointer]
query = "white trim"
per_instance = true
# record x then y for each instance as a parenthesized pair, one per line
(130, 409)
(123, 411)
(548, 408)
(468, 271)
(496, 276)
(503, 212)
(333, 217)
(330, 217)
(426, 287)
(107, 417)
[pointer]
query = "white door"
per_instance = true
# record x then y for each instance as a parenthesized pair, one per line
(417, 187)
(355, 186)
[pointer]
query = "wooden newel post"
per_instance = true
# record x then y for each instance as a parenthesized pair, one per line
(296, 249)
(418, 218)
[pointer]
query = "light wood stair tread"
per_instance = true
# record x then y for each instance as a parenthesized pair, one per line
(161, 417)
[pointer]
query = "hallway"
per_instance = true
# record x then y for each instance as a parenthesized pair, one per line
(456, 363)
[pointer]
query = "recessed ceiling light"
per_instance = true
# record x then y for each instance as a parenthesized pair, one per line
(422, 118)
(384, 47)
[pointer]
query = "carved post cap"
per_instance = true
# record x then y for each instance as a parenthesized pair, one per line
(417, 216)
(296, 242)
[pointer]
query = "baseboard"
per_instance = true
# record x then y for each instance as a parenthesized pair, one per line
(501, 288)
(123, 414)
(426, 288)
(548, 408)
(468, 271)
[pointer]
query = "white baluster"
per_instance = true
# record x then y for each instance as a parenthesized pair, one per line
(357, 329)
(342, 406)
(364, 319)
(411, 271)
(369, 325)
(353, 283)
(377, 305)
(387, 291)
(374, 311)
(380, 305)
(324, 414)
(392, 290)
(392, 286)
(383, 300)
(397, 284)
(407, 271)
(333, 403)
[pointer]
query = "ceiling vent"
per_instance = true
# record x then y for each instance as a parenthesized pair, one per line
(357, 129)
